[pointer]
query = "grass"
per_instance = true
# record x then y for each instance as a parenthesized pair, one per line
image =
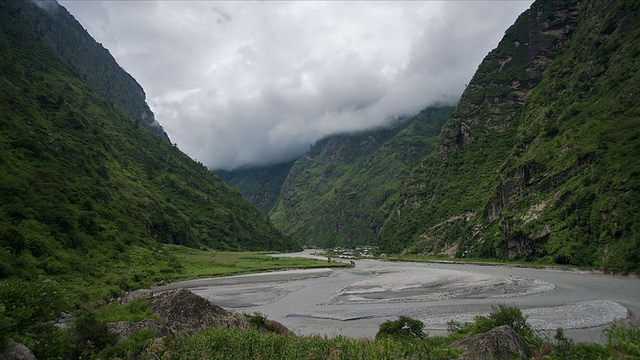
(481, 261)
(202, 264)
(239, 344)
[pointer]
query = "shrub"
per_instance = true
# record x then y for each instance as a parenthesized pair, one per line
(624, 339)
(502, 315)
(91, 336)
(403, 328)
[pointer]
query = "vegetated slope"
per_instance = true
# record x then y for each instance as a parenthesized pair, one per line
(541, 158)
(81, 183)
(89, 59)
(342, 190)
(260, 185)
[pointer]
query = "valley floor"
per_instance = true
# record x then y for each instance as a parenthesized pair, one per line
(355, 301)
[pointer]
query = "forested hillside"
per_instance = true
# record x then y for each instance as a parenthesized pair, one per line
(88, 59)
(541, 158)
(341, 191)
(260, 185)
(84, 187)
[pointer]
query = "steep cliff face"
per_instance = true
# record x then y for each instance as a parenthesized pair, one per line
(92, 62)
(539, 160)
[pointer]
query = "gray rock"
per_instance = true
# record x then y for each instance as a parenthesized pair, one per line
(16, 351)
(500, 343)
(186, 312)
(125, 329)
(135, 295)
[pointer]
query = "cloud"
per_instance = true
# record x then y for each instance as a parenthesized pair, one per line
(246, 83)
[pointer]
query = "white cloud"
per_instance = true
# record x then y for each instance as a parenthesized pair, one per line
(241, 83)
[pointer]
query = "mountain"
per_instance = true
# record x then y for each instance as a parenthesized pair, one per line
(341, 191)
(260, 185)
(86, 192)
(88, 59)
(540, 160)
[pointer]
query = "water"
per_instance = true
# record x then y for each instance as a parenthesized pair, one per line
(355, 301)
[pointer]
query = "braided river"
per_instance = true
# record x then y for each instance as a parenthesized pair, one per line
(355, 301)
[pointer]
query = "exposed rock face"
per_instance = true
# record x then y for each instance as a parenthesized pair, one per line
(125, 329)
(500, 343)
(136, 295)
(186, 312)
(16, 351)
(182, 313)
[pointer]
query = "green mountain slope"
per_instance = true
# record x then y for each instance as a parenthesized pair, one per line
(342, 190)
(89, 59)
(82, 185)
(540, 159)
(260, 185)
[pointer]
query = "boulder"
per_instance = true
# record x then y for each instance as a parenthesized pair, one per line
(136, 295)
(125, 329)
(499, 343)
(16, 351)
(182, 313)
(185, 313)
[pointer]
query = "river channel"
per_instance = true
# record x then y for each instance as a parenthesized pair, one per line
(355, 301)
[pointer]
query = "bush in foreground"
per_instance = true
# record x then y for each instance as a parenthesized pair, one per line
(405, 328)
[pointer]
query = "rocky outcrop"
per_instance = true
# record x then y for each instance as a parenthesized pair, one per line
(182, 313)
(185, 312)
(16, 351)
(500, 343)
(125, 329)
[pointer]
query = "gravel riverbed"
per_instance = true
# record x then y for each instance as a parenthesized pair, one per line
(355, 301)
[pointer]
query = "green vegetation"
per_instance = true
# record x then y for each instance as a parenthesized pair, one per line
(88, 196)
(399, 339)
(202, 264)
(89, 60)
(500, 315)
(238, 344)
(342, 190)
(134, 310)
(546, 171)
(25, 303)
(80, 178)
(403, 328)
(260, 185)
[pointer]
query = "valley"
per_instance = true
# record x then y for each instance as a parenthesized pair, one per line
(355, 301)
(536, 162)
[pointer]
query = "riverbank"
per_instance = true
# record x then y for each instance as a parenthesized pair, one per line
(355, 301)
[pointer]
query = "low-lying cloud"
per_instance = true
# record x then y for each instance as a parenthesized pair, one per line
(248, 83)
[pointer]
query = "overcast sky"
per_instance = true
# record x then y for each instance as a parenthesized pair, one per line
(243, 83)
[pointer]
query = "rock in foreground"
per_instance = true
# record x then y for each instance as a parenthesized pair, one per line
(500, 343)
(182, 313)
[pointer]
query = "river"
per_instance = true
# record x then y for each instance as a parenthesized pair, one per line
(355, 301)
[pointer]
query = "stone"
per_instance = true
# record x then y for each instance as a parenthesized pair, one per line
(186, 312)
(125, 329)
(136, 295)
(16, 351)
(499, 343)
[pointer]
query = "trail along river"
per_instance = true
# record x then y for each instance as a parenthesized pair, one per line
(355, 301)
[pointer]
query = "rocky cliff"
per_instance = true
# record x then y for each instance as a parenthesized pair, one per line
(539, 160)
